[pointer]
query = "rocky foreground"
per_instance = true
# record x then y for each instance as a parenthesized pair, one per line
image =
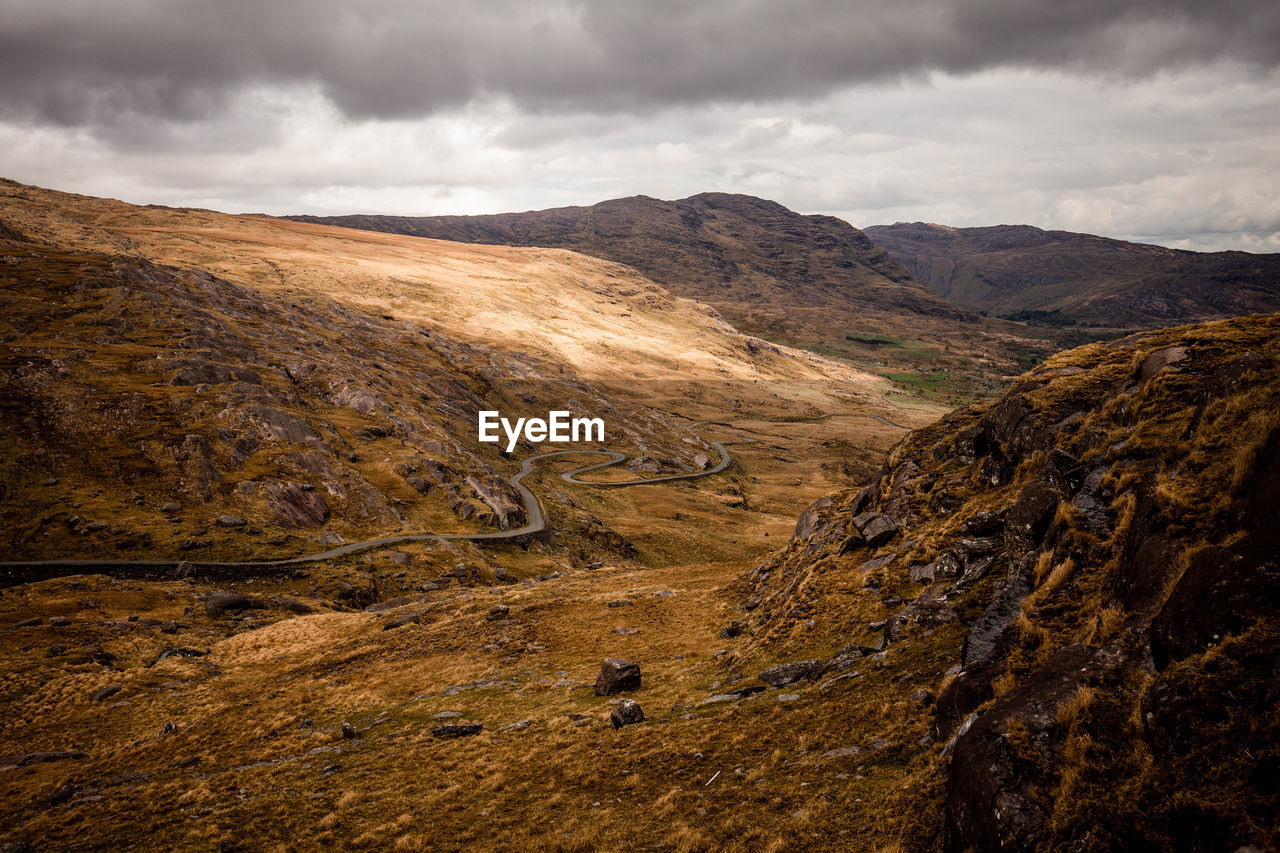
(1086, 572)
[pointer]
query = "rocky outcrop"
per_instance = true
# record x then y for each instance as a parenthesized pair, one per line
(501, 497)
(1098, 548)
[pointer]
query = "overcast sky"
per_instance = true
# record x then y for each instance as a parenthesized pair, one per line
(1157, 121)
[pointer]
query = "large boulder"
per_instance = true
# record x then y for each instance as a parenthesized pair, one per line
(222, 602)
(789, 673)
(617, 675)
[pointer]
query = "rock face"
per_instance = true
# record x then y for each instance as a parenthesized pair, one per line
(1098, 551)
(626, 713)
(502, 498)
(296, 506)
(617, 675)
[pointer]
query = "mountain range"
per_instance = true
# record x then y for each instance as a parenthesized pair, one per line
(808, 281)
(1080, 281)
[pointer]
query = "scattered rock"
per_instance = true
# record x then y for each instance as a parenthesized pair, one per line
(102, 694)
(626, 713)
(221, 602)
(517, 726)
(789, 673)
(451, 730)
(735, 629)
(616, 675)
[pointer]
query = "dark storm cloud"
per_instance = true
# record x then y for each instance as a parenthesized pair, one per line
(98, 63)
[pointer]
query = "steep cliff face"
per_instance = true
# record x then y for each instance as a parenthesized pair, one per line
(1086, 569)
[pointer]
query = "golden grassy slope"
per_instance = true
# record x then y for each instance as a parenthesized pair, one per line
(602, 320)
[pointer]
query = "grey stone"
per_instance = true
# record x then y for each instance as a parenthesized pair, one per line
(627, 713)
(617, 675)
(789, 673)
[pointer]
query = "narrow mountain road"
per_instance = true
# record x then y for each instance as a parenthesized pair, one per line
(33, 570)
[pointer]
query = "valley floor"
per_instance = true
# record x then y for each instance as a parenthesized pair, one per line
(228, 729)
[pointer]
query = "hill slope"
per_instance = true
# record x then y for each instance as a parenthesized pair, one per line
(304, 379)
(810, 281)
(1061, 278)
(1077, 588)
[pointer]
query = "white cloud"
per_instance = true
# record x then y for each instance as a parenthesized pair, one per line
(1184, 158)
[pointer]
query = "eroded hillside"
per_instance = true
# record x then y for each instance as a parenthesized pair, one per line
(1077, 587)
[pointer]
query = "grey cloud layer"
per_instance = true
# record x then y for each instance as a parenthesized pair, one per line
(87, 62)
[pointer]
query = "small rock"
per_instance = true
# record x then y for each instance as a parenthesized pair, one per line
(28, 623)
(449, 730)
(626, 713)
(446, 715)
(498, 611)
(924, 697)
(460, 570)
(59, 621)
(616, 675)
(331, 769)
(720, 697)
(349, 731)
(104, 693)
(622, 602)
(626, 632)
(171, 507)
(169, 728)
(501, 573)
(735, 629)
(516, 727)
(230, 521)
(788, 697)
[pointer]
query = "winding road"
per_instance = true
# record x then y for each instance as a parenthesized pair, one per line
(33, 570)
